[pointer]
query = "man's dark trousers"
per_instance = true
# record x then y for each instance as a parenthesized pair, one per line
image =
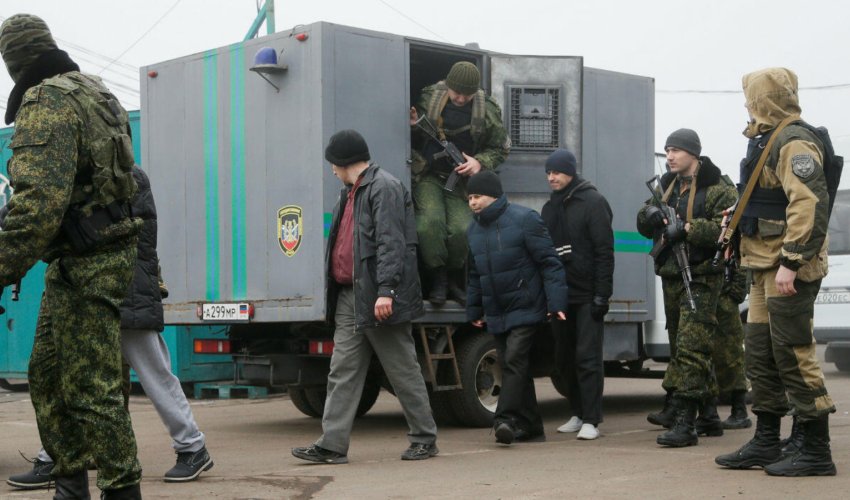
(517, 400)
(578, 348)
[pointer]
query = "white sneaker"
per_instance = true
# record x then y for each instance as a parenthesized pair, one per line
(572, 425)
(588, 431)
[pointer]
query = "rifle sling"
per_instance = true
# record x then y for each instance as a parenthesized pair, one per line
(751, 184)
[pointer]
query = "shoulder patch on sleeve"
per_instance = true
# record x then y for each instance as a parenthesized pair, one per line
(803, 165)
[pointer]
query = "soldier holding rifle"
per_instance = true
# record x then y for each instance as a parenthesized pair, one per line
(684, 248)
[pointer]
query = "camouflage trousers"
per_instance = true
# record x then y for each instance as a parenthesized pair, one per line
(692, 335)
(727, 357)
(780, 349)
(75, 367)
(442, 218)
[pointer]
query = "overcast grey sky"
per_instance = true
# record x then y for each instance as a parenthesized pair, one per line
(687, 46)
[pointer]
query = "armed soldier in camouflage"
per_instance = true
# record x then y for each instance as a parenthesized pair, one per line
(71, 165)
(464, 115)
(694, 188)
(784, 244)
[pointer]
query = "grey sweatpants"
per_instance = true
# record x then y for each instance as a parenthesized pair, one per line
(145, 351)
(349, 363)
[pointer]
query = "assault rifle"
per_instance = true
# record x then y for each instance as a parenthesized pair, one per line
(672, 235)
(449, 151)
(725, 248)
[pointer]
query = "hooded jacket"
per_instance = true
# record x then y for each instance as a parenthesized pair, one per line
(515, 276)
(384, 250)
(795, 164)
(579, 216)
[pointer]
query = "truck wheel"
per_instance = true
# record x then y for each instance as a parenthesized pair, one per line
(843, 366)
(560, 383)
(481, 376)
(298, 397)
(371, 389)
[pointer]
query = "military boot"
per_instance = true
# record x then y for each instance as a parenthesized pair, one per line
(739, 418)
(708, 423)
(762, 450)
(666, 416)
(132, 492)
(682, 433)
(75, 487)
(793, 443)
(814, 457)
(439, 287)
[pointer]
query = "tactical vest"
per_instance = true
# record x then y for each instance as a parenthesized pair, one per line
(680, 203)
(768, 203)
(476, 126)
(104, 177)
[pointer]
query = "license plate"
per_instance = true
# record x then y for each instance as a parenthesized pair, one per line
(225, 312)
(833, 298)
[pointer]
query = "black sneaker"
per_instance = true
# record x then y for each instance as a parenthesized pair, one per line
(36, 478)
(504, 433)
(319, 455)
(189, 466)
(420, 451)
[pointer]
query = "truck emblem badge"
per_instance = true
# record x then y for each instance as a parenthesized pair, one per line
(290, 228)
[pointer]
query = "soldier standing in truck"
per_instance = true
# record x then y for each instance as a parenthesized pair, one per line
(464, 115)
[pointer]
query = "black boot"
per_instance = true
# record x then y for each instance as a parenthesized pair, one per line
(666, 416)
(74, 487)
(439, 287)
(133, 492)
(813, 458)
(683, 433)
(793, 443)
(739, 418)
(708, 423)
(761, 450)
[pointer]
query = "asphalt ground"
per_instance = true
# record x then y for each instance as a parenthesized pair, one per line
(250, 442)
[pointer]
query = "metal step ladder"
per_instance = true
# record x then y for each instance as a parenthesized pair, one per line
(430, 357)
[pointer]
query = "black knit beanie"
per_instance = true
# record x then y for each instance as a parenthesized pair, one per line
(563, 161)
(686, 140)
(347, 147)
(485, 182)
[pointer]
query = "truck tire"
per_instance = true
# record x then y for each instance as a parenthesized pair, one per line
(298, 397)
(481, 376)
(560, 383)
(843, 366)
(316, 396)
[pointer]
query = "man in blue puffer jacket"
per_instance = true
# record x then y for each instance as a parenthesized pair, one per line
(516, 282)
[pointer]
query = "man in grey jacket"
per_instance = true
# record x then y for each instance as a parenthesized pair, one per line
(373, 294)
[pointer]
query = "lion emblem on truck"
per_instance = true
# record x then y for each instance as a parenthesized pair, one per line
(290, 228)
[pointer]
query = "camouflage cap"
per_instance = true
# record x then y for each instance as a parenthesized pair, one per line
(23, 37)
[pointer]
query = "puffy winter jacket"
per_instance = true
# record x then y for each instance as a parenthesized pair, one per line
(515, 276)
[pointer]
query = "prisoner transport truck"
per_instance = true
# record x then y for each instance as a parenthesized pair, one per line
(233, 142)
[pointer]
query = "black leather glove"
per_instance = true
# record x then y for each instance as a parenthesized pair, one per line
(675, 232)
(599, 308)
(655, 216)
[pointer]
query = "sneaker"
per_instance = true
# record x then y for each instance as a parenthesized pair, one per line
(319, 455)
(504, 433)
(588, 432)
(572, 425)
(36, 478)
(189, 466)
(420, 451)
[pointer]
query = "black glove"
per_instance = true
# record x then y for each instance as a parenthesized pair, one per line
(655, 216)
(675, 232)
(599, 308)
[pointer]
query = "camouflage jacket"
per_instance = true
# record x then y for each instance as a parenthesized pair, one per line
(490, 137)
(704, 227)
(48, 148)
